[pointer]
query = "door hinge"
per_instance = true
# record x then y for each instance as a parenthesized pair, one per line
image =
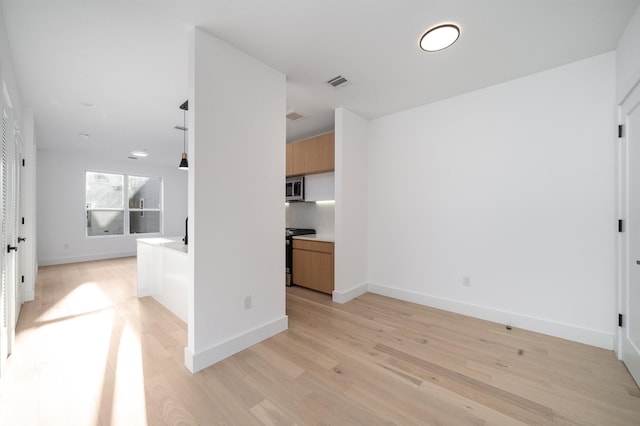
(620, 225)
(620, 130)
(619, 320)
(22, 279)
(23, 162)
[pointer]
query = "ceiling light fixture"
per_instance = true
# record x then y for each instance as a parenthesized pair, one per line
(439, 37)
(184, 163)
(84, 135)
(139, 153)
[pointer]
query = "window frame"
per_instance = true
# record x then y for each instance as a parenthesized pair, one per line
(126, 210)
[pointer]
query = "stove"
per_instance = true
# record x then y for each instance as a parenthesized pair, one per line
(290, 232)
(288, 236)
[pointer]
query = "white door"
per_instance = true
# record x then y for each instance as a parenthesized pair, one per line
(19, 226)
(630, 250)
(14, 234)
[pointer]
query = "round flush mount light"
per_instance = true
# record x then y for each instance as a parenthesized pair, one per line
(439, 37)
(84, 135)
(139, 153)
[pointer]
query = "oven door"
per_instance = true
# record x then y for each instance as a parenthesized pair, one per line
(289, 260)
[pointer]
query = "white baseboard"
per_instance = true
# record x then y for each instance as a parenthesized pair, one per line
(198, 361)
(538, 325)
(87, 258)
(352, 293)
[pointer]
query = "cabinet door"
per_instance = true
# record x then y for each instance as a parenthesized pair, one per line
(299, 157)
(313, 265)
(320, 154)
(289, 168)
(313, 155)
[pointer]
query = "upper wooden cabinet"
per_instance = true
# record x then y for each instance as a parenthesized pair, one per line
(313, 155)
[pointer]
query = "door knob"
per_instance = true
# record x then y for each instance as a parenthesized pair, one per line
(20, 239)
(10, 248)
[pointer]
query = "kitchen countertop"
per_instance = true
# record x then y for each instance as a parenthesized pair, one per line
(327, 238)
(172, 243)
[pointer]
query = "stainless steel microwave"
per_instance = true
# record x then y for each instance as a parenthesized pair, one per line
(294, 188)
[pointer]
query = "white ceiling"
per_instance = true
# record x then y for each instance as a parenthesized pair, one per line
(129, 58)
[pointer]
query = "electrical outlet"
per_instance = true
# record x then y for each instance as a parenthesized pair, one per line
(247, 302)
(466, 281)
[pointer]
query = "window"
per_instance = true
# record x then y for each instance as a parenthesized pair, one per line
(144, 204)
(107, 213)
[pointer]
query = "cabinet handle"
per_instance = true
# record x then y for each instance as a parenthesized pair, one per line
(10, 248)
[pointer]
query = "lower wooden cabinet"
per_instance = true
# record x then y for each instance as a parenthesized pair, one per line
(313, 265)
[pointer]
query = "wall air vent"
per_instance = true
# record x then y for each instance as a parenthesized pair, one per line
(294, 116)
(338, 81)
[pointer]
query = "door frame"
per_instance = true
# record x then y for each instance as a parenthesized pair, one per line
(623, 255)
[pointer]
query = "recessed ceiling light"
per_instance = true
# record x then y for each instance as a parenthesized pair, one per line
(84, 135)
(439, 37)
(139, 153)
(87, 104)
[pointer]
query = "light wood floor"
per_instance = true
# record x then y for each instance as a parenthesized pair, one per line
(89, 352)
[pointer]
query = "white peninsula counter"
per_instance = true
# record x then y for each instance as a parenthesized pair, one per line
(162, 272)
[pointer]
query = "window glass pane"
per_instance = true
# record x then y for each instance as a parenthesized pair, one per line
(105, 222)
(144, 222)
(144, 192)
(104, 191)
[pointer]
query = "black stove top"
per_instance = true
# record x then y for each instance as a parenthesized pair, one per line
(290, 232)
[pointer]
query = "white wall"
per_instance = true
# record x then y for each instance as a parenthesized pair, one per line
(320, 217)
(236, 201)
(61, 207)
(7, 72)
(512, 186)
(26, 123)
(351, 206)
(628, 57)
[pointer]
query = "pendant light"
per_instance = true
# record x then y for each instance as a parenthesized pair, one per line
(184, 163)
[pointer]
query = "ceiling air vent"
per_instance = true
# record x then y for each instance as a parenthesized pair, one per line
(294, 116)
(338, 81)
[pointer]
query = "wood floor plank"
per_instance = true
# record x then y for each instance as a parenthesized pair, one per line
(89, 352)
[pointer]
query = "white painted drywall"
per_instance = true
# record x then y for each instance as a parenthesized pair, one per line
(237, 109)
(7, 73)
(319, 187)
(320, 217)
(25, 122)
(628, 57)
(61, 207)
(512, 186)
(351, 206)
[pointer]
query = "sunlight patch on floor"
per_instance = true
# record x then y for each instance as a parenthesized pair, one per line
(129, 392)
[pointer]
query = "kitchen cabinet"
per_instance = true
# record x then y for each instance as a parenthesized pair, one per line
(290, 169)
(310, 156)
(313, 265)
